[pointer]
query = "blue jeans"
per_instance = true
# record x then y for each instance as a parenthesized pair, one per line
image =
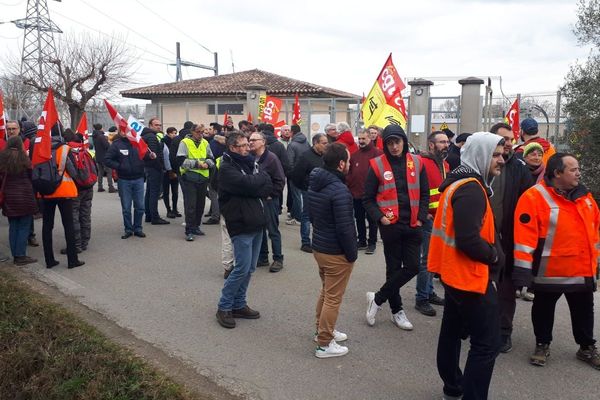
(153, 189)
(304, 220)
(18, 233)
(425, 278)
(132, 191)
(296, 210)
(246, 248)
(272, 216)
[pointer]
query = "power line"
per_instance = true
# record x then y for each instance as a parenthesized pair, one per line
(145, 37)
(173, 25)
(116, 38)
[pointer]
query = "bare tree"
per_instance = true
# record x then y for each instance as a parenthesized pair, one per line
(451, 106)
(86, 66)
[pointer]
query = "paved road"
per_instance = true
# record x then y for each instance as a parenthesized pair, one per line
(165, 291)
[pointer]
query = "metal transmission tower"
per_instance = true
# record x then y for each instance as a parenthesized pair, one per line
(38, 42)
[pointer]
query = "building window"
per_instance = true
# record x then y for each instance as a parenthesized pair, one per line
(231, 109)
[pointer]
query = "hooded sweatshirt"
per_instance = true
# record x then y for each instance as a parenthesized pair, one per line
(347, 140)
(469, 202)
(398, 165)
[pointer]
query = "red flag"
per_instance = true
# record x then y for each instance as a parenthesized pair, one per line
(249, 118)
(42, 149)
(271, 110)
(277, 127)
(225, 118)
(3, 131)
(83, 129)
(296, 117)
(123, 126)
(512, 119)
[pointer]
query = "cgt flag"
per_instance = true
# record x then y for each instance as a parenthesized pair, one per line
(83, 129)
(42, 149)
(296, 116)
(269, 108)
(3, 131)
(134, 138)
(512, 119)
(384, 104)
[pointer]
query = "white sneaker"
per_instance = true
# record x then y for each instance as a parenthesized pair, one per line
(372, 308)
(332, 350)
(525, 295)
(292, 221)
(401, 321)
(337, 336)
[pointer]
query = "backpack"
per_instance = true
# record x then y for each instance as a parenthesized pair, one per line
(45, 176)
(86, 167)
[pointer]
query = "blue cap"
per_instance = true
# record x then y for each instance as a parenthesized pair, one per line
(529, 126)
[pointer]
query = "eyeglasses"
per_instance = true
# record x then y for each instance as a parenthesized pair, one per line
(241, 145)
(254, 140)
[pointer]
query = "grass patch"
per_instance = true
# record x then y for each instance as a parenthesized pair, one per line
(48, 353)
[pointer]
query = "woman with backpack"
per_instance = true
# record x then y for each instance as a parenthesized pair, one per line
(18, 202)
(62, 198)
(85, 179)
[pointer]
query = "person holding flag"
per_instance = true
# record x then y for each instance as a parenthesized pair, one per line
(126, 155)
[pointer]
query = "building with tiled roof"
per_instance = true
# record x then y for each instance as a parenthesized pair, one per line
(206, 100)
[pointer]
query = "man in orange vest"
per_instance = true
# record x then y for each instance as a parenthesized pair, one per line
(436, 167)
(465, 252)
(397, 196)
(557, 243)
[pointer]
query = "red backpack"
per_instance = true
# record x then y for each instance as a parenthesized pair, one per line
(86, 167)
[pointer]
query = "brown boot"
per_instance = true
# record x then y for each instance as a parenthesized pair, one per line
(245, 313)
(225, 319)
(24, 260)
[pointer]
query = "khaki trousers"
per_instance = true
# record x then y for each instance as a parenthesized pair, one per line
(334, 271)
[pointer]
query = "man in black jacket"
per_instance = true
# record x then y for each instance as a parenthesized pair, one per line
(242, 188)
(124, 157)
(334, 244)
(100, 147)
(154, 171)
(508, 187)
(269, 163)
(397, 196)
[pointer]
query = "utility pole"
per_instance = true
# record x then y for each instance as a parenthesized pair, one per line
(179, 63)
(38, 42)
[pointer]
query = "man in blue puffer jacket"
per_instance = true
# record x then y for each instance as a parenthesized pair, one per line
(334, 243)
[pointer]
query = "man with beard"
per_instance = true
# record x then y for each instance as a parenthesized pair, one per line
(436, 167)
(465, 252)
(359, 166)
(508, 187)
(153, 169)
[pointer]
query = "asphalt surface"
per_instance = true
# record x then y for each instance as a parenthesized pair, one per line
(165, 291)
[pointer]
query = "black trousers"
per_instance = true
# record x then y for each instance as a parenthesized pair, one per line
(581, 305)
(475, 315)
(170, 185)
(402, 250)
(194, 199)
(360, 215)
(508, 304)
(65, 206)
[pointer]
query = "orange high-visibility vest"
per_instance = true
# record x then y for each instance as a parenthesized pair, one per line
(387, 197)
(67, 187)
(556, 239)
(455, 267)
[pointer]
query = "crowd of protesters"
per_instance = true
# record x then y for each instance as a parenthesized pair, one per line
(485, 216)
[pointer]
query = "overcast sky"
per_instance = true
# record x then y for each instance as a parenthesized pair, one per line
(337, 44)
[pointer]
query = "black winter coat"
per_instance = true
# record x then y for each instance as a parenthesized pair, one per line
(331, 212)
(155, 146)
(240, 194)
(124, 158)
(277, 148)
(269, 163)
(308, 161)
(101, 145)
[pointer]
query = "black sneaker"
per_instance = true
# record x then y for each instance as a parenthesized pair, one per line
(590, 355)
(127, 235)
(245, 313)
(140, 234)
(225, 319)
(370, 249)
(540, 355)
(306, 248)
(262, 263)
(77, 264)
(362, 245)
(101, 190)
(435, 299)
(160, 221)
(171, 214)
(211, 221)
(506, 344)
(425, 308)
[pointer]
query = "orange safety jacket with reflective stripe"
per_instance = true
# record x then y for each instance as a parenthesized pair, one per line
(435, 177)
(67, 187)
(387, 197)
(556, 239)
(455, 267)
